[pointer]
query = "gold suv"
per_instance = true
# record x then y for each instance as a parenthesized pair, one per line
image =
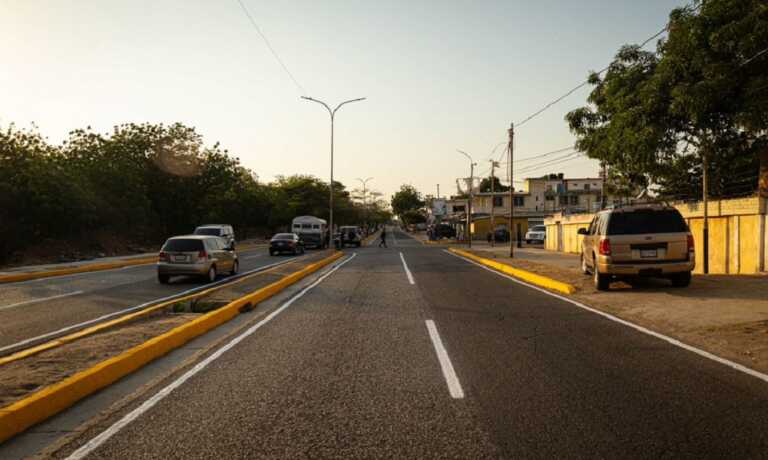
(635, 241)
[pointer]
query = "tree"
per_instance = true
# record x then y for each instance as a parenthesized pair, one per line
(406, 199)
(656, 116)
(485, 185)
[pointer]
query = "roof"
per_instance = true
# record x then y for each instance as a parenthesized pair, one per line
(193, 237)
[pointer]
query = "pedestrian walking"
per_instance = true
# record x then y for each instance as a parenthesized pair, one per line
(383, 241)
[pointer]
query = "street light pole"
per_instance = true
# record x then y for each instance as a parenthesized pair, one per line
(472, 165)
(332, 113)
(365, 208)
(512, 190)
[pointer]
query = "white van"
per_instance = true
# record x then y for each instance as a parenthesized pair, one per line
(312, 230)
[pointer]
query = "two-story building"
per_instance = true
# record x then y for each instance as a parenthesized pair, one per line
(538, 198)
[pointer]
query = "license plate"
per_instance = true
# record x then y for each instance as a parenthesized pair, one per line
(179, 258)
(648, 253)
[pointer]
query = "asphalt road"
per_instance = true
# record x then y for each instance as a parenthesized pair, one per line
(35, 308)
(409, 352)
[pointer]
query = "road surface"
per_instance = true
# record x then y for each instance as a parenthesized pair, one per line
(410, 352)
(34, 309)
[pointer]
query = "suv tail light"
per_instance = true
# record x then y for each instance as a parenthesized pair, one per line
(162, 257)
(691, 245)
(202, 255)
(605, 247)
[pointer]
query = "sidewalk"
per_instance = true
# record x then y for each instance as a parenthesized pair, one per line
(725, 315)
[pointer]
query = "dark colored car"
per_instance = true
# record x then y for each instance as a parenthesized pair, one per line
(350, 235)
(444, 231)
(501, 234)
(286, 242)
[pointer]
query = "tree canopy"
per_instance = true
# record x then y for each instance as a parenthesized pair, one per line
(407, 203)
(145, 182)
(703, 93)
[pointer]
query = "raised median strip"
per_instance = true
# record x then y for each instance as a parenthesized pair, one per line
(529, 277)
(94, 267)
(51, 400)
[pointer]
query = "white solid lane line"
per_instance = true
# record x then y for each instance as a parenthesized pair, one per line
(137, 307)
(658, 335)
(94, 443)
(27, 302)
(407, 271)
(454, 386)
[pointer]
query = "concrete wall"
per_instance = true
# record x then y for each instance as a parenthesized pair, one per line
(738, 234)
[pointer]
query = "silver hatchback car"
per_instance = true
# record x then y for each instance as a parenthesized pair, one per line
(196, 255)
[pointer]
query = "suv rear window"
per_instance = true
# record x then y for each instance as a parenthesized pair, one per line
(208, 231)
(646, 221)
(181, 245)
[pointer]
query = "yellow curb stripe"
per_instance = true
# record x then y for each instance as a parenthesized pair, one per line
(533, 278)
(53, 399)
(16, 277)
(118, 321)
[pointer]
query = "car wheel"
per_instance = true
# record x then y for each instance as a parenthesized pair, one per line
(295, 251)
(602, 282)
(235, 268)
(163, 279)
(584, 268)
(681, 279)
(211, 274)
(271, 252)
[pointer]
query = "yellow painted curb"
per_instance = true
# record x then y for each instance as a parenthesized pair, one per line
(524, 275)
(53, 399)
(15, 277)
(26, 353)
(439, 242)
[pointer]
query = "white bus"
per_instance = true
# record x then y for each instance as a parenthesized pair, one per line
(312, 230)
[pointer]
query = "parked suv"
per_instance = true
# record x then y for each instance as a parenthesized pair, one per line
(221, 230)
(198, 255)
(351, 236)
(647, 240)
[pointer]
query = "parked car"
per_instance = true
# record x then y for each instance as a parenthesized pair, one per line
(197, 255)
(444, 231)
(286, 242)
(221, 230)
(350, 235)
(536, 234)
(647, 240)
(501, 234)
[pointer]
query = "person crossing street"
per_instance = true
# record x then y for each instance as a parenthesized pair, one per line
(383, 241)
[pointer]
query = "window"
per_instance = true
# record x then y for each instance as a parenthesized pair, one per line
(498, 201)
(519, 201)
(646, 221)
(572, 199)
(549, 198)
(458, 208)
(207, 231)
(549, 187)
(183, 246)
(537, 197)
(586, 187)
(316, 226)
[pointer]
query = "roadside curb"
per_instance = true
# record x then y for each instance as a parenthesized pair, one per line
(49, 401)
(95, 267)
(533, 278)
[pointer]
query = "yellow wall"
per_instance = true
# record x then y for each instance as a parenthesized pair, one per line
(481, 227)
(738, 234)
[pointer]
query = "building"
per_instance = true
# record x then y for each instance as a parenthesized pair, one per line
(539, 198)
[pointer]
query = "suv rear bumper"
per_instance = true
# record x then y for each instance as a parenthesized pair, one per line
(659, 269)
(164, 268)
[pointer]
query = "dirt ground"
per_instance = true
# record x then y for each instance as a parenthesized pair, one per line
(725, 315)
(22, 378)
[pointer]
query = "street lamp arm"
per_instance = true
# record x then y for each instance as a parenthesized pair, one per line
(330, 112)
(345, 102)
(466, 155)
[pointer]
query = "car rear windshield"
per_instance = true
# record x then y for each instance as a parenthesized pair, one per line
(181, 245)
(283, 236)
(207, 231)
(538, 228)
(646, 221)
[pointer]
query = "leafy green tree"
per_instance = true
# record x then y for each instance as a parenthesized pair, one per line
(406, 199)
(656, 116)
(485, 185)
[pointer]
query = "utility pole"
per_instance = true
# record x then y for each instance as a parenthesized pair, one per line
(438, 191)
(365, 206)
(332, 113)
(472, 165)
(705, 173)
(493, 198)
(602, 187)
(512, 191)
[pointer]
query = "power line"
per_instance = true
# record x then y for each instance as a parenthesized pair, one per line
(561, 160)
(272, 50)
(586, 82)
(541, 155)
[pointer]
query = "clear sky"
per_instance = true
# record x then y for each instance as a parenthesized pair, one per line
(438, 75)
